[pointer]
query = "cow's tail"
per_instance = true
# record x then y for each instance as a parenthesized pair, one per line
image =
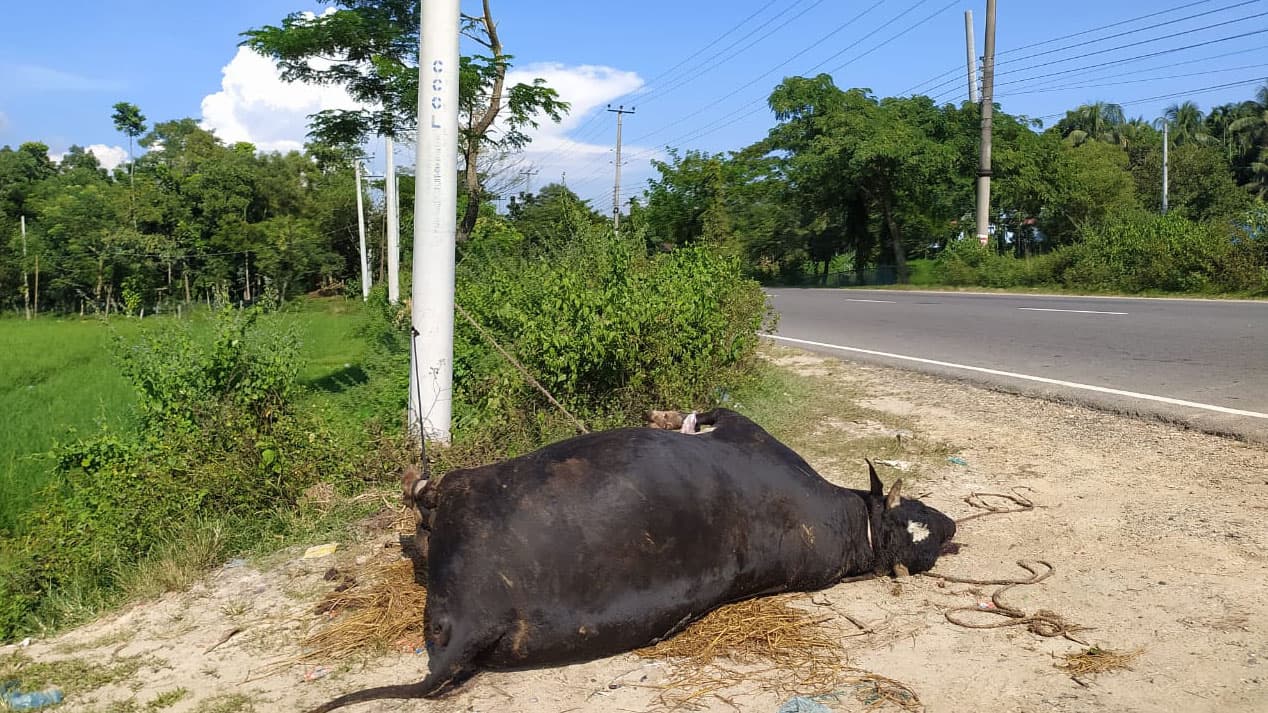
(450, 665)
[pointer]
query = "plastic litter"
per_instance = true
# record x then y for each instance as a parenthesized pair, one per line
(235, 563)
(986, 605)
(802, 704)
(898, 464)
(14, 700)
(957, 460)
(316, 673)
(26, 642)
(320, 550)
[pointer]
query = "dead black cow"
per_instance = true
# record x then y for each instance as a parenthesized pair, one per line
(611, 541)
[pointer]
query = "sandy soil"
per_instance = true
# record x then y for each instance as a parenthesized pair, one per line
(1158, 536)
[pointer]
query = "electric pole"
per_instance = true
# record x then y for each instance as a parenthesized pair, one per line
(26, 280)
(970, 56)
(435, 229)
(392, 205)
(365, 262)
(620, 112)
(988, 89)
(1165, 142)
(528, 174)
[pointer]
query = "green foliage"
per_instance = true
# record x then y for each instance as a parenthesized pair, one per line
(607, 329)
(1137, 252)
(219, 440)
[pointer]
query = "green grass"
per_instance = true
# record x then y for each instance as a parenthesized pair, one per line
(59, 377)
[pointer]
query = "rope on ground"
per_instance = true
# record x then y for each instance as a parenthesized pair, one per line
(1022, 503)
(489, 338)
(1044, 623)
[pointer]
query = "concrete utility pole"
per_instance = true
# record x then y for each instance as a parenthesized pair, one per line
(392, 205)
(988, 90)
(26, 280)
(365, 261)
(970, 56)
(1165, 147)
(528, 174)
(435, 228)
(620, 112)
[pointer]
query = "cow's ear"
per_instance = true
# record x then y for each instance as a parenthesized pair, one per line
(895, 495)
(877, 488)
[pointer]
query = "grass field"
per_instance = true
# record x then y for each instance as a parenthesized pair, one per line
(59, 377)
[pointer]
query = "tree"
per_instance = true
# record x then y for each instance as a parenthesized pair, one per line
(1250, 130)
(542, 216)
(1098, 121)
(1186, 124)
(129, 120)
(370, 47)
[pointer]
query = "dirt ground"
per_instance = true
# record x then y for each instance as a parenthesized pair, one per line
(1159, 538)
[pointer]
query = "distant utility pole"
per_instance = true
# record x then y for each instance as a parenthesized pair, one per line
(1165, 143)
(528, 174)
(365, 262)
(392, 205)
(971, 56)
(988, 91)
(620, 112)
(26, 280)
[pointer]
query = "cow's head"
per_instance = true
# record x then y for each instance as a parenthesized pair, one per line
(907, 535)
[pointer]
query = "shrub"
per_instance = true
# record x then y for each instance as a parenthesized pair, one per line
(219, 441)
(608, 329)
(1137, 251)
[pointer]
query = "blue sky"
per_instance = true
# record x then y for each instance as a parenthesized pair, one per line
(63, 64)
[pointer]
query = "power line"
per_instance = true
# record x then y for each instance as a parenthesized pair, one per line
(1198, 90)
(1137, 58)
(1128, 21)
(714, 62)
(1130, 44)
(594, 118)
(767, 73)
(1139, 81)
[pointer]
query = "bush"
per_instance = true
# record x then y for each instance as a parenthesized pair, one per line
(219, 441)
(1137, 251)
(606, 328)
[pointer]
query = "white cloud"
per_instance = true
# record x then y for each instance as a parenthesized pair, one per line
(37, 78)
(108, 156)
(254, 104)
(581, 144)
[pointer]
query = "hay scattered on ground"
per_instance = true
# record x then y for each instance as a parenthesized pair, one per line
(1098, 660)
(772, 645)
(383, 609)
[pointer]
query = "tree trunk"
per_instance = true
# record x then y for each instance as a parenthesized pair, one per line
(37, 285)
(896, 242)
(185, 274)
(101, 270)
(472, 182)
(246, 292)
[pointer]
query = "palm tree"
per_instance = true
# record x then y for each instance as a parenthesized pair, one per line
(1098, 121)
(1136, 131)
(1250, 132)
(1186, 124)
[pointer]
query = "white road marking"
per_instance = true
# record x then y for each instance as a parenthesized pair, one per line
(1028, 377)
(888, 302)
(1077, 311)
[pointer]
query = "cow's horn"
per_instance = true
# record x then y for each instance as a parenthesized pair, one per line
(900, 570)
(895, 495)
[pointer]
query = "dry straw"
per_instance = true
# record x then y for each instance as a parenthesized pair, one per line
(1098, 660)
(768, 644)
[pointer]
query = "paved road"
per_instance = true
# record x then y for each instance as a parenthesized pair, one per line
(1200, 362)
